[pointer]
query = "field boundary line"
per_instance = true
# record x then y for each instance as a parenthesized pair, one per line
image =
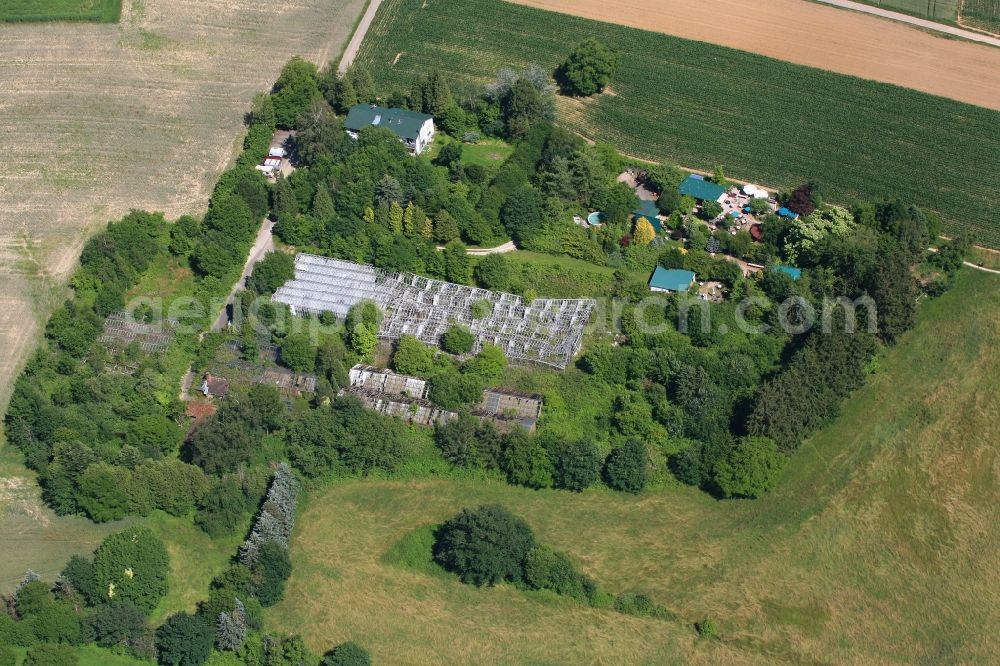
(926, 24)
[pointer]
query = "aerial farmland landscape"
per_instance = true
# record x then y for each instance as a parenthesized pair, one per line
(499, 332)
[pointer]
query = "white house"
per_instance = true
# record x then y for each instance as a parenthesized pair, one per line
(415, 130)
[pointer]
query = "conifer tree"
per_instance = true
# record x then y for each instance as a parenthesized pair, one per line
(644, 232)
(396, 218)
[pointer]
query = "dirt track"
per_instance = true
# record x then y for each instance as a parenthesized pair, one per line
(815, 35)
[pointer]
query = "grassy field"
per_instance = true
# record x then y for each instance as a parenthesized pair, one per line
(104, 118)
(700, 105)
(103, 11)
(31, 535)
(982, 14)
(878, 546)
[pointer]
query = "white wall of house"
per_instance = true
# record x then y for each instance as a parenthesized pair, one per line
(426, 136)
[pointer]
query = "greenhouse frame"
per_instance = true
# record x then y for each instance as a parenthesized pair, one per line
(547, 331)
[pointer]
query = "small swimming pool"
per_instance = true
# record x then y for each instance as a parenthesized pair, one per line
(595, 218)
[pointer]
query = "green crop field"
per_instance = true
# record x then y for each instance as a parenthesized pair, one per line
(878, 546)
(982, 14)
(699, 105)
(103, 11)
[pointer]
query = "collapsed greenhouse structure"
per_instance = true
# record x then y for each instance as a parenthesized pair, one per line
(547, 331)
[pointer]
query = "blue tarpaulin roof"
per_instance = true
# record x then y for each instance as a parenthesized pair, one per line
(673, 279)
(784, 212)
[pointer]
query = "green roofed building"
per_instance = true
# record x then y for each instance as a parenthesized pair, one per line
(415, 130)
(671, 280)
(648, 210)
(703, 190)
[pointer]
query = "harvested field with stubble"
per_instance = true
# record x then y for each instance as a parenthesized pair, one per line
(96, 119)
(817, 35)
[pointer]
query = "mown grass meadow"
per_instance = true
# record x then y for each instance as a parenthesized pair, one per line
(700, 105)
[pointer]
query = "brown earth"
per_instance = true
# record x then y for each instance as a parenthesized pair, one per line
(815, 35)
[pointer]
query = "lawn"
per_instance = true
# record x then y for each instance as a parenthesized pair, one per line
(699, 105)
(878, 546)
(102, 11)
(195, 559)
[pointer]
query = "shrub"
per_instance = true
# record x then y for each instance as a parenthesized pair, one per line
(490, 363)
(132, 566)
(481, 309)
(270, 571)
(575, 465)
(222, 509)
(639, 604)
(706, 628)
(452, 390)
(347, 654)
(525, 460)
(116, 623)
(184, 640)
(484, 546)
(750, 468)
(51, 655)
(549, 569)
(412, 357)
(458, 340)
(625, 467)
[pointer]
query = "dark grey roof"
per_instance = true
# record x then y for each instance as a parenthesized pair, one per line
(403, 123)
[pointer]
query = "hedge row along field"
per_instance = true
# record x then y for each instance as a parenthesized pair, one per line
(699, 105)
(102, 11)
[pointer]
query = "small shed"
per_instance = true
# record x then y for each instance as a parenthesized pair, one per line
(671, 280)
(213, 385)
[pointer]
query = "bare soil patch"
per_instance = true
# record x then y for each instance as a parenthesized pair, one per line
(814, 35)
